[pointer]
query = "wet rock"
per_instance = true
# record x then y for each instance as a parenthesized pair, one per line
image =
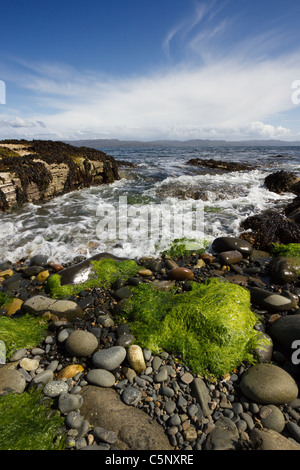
(269, 227)
(181, 274)
(270, 301)
(134, 429)
(70, 371)
(282, 181)
(285, 331)
(83, 271)
(285, 270)
(232, 244)
(268, 384)
(200, 391)
(230, 257)
(219, 164)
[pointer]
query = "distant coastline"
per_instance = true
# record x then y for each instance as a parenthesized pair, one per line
(111, 143)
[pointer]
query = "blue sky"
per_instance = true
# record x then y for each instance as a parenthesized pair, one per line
(168, 69)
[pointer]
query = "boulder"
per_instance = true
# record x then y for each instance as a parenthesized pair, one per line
(268, 439)
(285, 331)
(232, 244)
(285, 270)
(268, 384)
(135, 430)
(39, 304)
(282, 181)
(270, 301)
(220, 165)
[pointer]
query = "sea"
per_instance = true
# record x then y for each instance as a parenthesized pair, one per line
(157, 200)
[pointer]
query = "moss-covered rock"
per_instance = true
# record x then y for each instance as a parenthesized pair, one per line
(22, 332)
(26, 425)
(211, 327)
(97, 273)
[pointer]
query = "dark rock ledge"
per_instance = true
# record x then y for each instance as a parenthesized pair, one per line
(36, 170)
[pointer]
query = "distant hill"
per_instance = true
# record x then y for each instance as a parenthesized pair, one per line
(116, 143)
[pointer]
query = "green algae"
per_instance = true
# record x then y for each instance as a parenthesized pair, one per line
(211, 327)
(104, 272)
(27, 423)
(291, 250)
(5, 299)
(181, 247)
(21, 332)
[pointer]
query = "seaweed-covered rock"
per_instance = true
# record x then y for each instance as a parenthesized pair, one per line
(283, 181)
(38, 170)
(211, 326)
(270, 227)
(220, 165)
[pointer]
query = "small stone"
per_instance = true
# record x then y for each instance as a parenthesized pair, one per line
(187, 378)
(230, 257)
(100, 377)
(81, 343)
(190, 434)
(43, 377)
(145, 273)
(136, 358)
(271, 417)
(68, 402)
(105, 436)
(73, 420)
(2, 352)
(181, 274)
(29, 364)
(70, 371)
(7, 273)
(161, 376)
(55, 388)
(43, 276)
(131, 395)
(14, 306)
(110, 358)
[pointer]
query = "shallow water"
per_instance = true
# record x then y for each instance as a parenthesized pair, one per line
(150, 214)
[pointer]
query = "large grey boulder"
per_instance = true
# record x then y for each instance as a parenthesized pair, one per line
(134, 428)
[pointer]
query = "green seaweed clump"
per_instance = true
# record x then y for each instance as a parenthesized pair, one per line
(22, 332)
(181, 247)
(29, 424)
(211, 327)
(5, 299)
(103, 274)
(291, 250)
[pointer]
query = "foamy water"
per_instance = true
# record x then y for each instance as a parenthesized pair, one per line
(73, 224)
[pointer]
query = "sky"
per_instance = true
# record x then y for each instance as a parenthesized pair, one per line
(147, 70)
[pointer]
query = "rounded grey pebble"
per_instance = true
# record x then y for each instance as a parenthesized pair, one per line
(100, 377)
(131, 395)
(68, 402)
(110, 437)
(110, 358)
(170, 407)
(73, 420)
(175, 420)
(55, 388)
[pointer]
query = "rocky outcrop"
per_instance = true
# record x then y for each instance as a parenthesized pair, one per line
(32, 171)
(220, 165)
(283, 181)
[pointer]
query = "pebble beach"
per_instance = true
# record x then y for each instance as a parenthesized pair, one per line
(115, 395)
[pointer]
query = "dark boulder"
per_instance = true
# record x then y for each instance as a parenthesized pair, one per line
(220, 165)
(269, 227)
(283, 181)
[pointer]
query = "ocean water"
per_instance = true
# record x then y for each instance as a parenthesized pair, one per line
(140, 214)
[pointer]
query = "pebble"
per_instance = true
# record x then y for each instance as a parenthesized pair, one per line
(100, 377)
(131, 395)
(110, 358)
(81, 343)
(181, 274)
(136, 358)
(55, 388)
